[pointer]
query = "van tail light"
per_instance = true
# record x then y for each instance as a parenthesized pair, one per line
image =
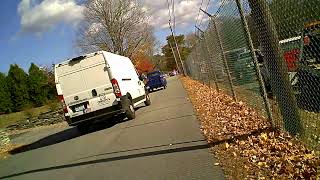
(64, 106)
(116, 87)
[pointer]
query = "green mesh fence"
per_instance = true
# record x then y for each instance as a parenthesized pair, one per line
(283, 37)
(297, 23)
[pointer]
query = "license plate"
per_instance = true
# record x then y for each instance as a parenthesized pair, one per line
(79, 108)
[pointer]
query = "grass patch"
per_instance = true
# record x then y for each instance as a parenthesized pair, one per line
(12, 118)
(311, 124)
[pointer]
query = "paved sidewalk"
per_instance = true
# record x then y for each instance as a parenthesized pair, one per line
(163, 142)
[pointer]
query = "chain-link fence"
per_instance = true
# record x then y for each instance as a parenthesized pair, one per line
(267, 54)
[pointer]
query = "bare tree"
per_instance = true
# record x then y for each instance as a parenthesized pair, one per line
(118, 26)
(191, 40)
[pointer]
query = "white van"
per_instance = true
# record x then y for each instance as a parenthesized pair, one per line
(98, 85)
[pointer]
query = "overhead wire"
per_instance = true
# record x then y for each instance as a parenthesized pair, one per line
(173, 33)
(206, 9)
(174, 16)
(198, 15)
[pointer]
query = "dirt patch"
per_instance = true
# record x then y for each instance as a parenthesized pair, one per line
(5, 149)
(243, 141)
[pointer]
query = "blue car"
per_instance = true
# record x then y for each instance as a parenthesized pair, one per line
(156, 80)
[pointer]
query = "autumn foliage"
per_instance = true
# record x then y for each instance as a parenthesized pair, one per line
(142, 63)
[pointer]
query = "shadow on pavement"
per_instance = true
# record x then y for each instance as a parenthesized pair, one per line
(117, 158)
(162, 120)
(144, 148)
(165, 107)
(49, 140)
(184, 148)
(65, 135)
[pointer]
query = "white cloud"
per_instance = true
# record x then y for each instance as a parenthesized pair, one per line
(41, 17)
(186, 12)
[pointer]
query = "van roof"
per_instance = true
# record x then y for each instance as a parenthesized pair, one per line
(79, 58)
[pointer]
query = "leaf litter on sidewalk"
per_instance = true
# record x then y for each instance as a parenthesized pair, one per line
(244, 142)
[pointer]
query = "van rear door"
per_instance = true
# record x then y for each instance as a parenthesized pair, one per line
(85, 84)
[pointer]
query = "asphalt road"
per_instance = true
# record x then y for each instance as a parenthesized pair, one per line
(163, 142)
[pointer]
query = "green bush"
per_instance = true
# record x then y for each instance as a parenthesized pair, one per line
(30, 113)
(5, 95)
(53, 105)
(17, 81)
(37, 85)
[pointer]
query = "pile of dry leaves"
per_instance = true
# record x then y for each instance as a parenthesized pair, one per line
(243, 141)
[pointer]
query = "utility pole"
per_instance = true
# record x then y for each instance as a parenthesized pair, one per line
(174, 56)
(173, 35)
(177, 48)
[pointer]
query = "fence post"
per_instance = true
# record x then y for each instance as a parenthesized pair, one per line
(224, 58)
(255, 62)
(203, 58)
(192, 65)
(201, 64)
(210, 57)
(268, 38)
(211, 65)
(198, 63)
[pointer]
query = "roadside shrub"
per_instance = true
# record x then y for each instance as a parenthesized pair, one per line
(29, 112)
(53, 105)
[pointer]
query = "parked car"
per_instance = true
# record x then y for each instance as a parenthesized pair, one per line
(302, 57)
(245, 72)
(173, 73)
(96, 85)
(308, 71)
(156, 79)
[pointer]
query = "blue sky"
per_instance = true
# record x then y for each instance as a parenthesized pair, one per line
(29, 36)
(23, 48)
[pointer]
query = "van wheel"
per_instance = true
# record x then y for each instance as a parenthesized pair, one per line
(130, 112)
(148, 101)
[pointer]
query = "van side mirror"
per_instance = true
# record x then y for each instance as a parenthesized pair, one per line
(141, 77)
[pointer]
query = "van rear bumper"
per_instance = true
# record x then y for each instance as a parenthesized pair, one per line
(95, 115)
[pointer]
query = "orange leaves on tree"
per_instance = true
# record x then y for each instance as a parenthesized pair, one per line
(142, 63)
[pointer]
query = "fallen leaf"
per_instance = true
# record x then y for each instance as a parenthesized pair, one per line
(273, 153)
(264, 136)
(226, 145)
